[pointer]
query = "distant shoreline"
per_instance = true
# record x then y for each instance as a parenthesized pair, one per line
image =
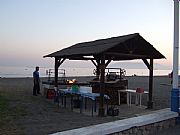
(89, 76)
(24, 72)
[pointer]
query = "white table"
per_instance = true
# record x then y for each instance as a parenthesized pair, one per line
(129, 92)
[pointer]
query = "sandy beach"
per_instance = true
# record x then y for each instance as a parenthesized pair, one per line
(37, 115)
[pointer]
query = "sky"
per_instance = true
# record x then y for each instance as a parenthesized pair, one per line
(30, 29)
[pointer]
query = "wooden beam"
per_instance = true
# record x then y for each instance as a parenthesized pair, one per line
(95, 64)
(61, 61)
(146, 63)
(136, 56)
(80, 58)
(107, 63)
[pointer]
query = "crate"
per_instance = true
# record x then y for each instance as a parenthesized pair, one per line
(50, 93)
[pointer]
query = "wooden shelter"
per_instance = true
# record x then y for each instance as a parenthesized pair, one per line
(102, 52)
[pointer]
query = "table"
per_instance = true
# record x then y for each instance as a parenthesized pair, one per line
(82, 95)
(129, 92)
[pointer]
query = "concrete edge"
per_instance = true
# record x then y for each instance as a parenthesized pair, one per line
(121, 125)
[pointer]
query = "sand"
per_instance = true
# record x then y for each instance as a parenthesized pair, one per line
(42, 116)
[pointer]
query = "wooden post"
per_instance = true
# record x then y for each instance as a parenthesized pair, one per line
(102, 87)
(56, 72)
(150, 102)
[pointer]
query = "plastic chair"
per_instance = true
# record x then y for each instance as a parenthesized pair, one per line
(139, 92)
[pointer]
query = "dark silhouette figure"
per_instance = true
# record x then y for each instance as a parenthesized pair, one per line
(36, 79)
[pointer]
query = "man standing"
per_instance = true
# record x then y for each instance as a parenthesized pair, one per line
(36, 88)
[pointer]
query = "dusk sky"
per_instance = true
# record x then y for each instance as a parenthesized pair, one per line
(30, 29)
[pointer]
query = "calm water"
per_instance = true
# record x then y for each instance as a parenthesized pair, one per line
(27, 72)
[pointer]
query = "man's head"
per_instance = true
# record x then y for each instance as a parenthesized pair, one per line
(37, 68)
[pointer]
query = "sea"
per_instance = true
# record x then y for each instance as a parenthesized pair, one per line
(18, 72)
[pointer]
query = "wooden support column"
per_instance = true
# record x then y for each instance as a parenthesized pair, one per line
(56, 72)
(150, 67)
(102, 86)
(150, 102)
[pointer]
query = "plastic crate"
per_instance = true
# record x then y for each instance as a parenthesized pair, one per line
(50, 93)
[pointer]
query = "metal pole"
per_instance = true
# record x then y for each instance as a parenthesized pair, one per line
(175, 89)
